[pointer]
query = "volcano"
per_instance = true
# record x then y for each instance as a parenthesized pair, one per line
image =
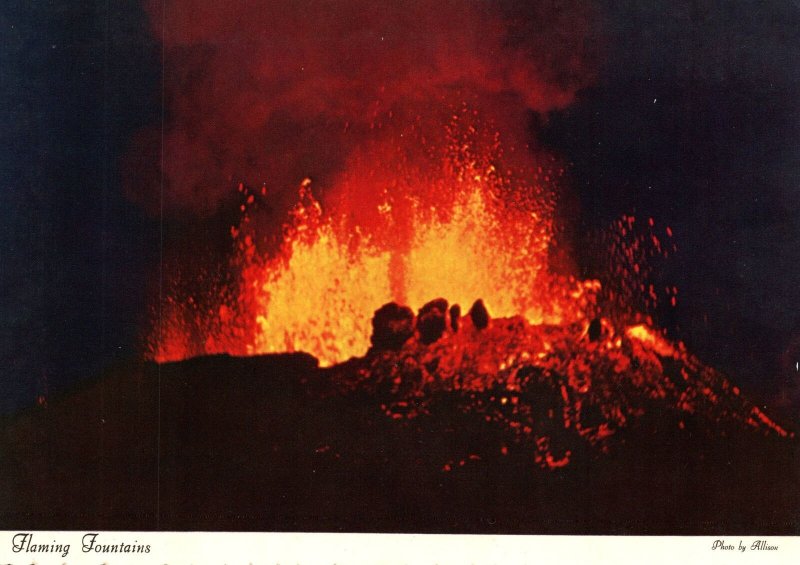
(494, 391)
(410, 267)
(450, 423)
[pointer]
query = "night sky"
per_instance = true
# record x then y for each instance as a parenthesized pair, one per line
(78, 79)
(693, 119)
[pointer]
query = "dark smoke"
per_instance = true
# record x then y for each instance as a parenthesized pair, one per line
(271, 93)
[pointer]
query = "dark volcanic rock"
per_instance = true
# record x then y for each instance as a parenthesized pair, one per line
(392, 326)
(432, 320)
(479, 314)
(595, 329)
(455, 315)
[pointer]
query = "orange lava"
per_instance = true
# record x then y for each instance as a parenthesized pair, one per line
(654, 341)
(464, 226)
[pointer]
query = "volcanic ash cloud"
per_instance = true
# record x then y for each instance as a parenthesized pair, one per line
(275, 92)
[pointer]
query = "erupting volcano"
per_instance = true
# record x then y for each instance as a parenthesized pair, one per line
(393, 299)
(455, 224)
(559, 364)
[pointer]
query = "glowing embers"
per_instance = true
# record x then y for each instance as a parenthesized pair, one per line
(633, 251)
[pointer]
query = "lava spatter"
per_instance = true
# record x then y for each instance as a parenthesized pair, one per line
(466, 226)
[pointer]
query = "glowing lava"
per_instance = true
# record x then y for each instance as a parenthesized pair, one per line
(461, 229)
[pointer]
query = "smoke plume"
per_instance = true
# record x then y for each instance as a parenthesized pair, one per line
(269, 93)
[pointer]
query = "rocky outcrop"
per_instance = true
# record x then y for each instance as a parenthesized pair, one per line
(479, 315)
(392, 326)
(432, 320)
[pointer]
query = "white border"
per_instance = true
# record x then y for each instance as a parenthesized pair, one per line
(399, 549)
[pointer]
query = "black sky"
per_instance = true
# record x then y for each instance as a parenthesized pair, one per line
(694, 120)
(78, 78)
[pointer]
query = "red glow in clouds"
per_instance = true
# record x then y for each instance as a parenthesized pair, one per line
(279, 91)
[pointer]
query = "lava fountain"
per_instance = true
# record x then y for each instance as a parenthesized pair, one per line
(354, 189)
(388, 147)
(463, 225)
(383, 155)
